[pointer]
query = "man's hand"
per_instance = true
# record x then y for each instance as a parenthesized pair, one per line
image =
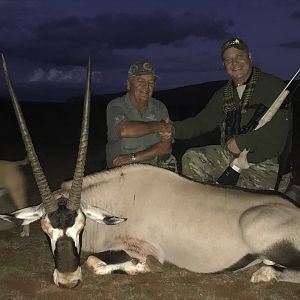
(122, 159)
(233, 147)
(166, 130)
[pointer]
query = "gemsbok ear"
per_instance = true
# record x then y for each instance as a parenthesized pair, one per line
(100, 215)
(24, 216)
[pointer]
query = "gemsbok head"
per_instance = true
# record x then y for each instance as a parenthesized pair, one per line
(62, 216)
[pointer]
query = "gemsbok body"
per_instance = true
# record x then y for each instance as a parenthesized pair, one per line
(13, 181)
(200, 227)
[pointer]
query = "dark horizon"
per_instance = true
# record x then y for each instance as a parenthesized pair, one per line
(68, 96)
(189, 92)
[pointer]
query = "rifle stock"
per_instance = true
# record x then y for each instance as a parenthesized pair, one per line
(230, 175)
(272, 110)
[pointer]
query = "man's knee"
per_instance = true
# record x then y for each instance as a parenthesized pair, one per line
(204, 164)
(185, 160)
(189, 158)
(194, 165)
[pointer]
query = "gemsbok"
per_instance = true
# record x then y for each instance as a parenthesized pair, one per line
(200, 227)
(13, 181)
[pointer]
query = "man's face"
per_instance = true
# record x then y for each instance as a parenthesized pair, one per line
(238, 64)
(141, 87)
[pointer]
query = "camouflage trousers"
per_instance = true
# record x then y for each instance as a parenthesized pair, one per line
(166, 161)
(206, 164)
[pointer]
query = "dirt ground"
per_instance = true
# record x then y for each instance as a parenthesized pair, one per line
(26, 268)
(26, 264)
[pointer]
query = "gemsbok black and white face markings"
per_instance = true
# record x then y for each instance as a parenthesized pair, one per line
(200, 227)
(61, 216)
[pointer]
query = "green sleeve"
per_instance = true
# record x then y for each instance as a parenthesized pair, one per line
(206, 120)
(268, 141)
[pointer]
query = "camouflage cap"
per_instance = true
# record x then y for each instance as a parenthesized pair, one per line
(142, 67)
(233, 42)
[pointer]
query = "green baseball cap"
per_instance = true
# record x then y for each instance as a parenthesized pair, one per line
(142, 67)
(233, 42)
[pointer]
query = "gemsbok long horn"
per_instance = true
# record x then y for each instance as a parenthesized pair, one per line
(75, 192)
(50, 204)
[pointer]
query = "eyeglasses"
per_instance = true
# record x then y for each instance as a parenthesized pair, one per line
(237, 58)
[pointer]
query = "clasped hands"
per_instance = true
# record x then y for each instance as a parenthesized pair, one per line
(166, 130)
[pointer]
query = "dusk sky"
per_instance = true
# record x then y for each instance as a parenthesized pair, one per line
(46, 42)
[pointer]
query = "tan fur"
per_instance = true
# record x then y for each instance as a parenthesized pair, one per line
(203, 228)
(13, 180)
(294, 192)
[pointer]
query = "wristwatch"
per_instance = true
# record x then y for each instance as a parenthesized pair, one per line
(133, 156)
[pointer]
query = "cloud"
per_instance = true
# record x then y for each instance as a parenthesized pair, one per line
(296, 14)
(38, 74)
(125, 30)
(295, 44)
(68, 40)
(75, 75)
(291, 45)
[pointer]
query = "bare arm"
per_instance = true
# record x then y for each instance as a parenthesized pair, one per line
(139, 128)
(162, 147)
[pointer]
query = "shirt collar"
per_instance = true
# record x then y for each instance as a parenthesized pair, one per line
(148, 108)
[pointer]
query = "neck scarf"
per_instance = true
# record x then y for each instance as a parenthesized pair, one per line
(228, 104)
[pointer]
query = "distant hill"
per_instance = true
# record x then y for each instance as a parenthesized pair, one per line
(181, 102)
(55, 127)
(188, 100)
(53, 121)
(197, 94)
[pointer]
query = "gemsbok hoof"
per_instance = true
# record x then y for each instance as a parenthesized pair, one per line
(264, 274)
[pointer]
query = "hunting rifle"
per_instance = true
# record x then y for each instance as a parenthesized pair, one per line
(262, 116)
